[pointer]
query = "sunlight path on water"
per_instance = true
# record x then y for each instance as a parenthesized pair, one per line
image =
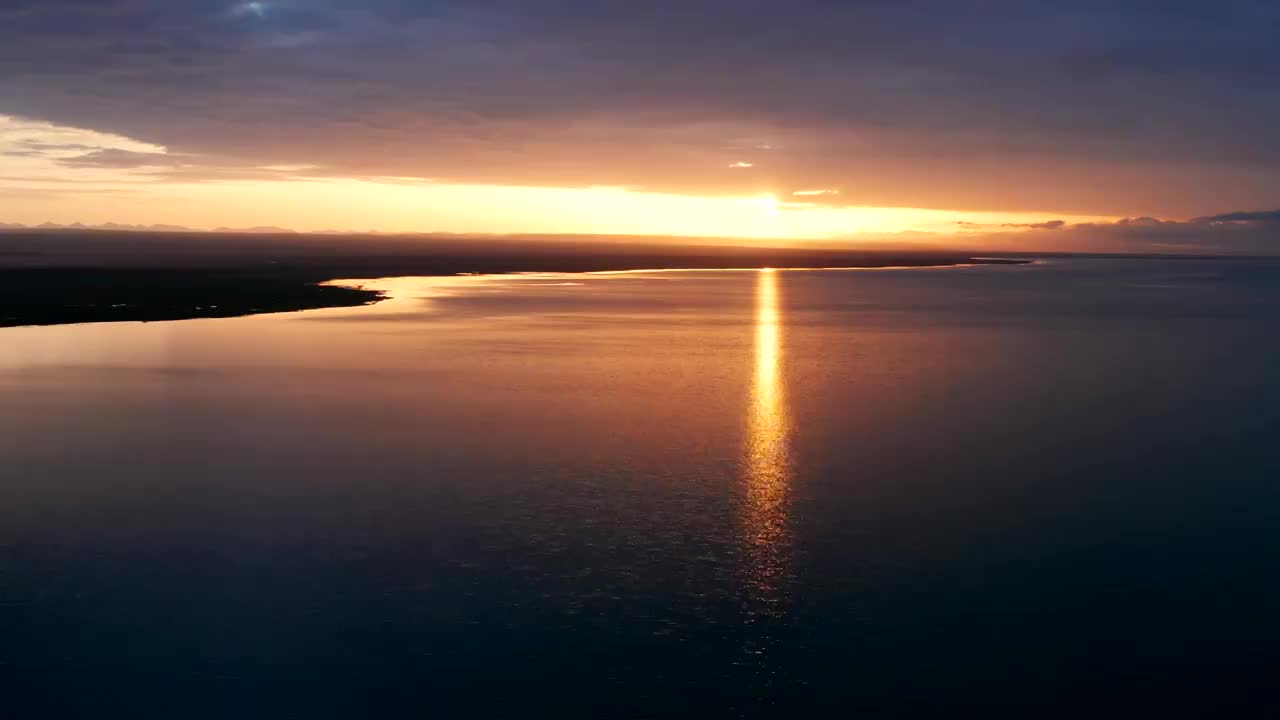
(767, 470)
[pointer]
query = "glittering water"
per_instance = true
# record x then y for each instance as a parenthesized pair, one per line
(689, 494)
(767, 473)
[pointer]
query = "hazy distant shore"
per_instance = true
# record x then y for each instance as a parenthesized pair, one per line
(61, 278)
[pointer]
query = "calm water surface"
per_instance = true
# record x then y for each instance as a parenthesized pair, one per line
(1049, 488)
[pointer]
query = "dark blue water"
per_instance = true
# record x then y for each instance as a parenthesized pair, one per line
(1044, 490)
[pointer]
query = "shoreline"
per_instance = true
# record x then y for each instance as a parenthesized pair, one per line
(46, 296)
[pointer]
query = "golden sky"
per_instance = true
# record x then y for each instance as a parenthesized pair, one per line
(45, 179)
(1049, 126)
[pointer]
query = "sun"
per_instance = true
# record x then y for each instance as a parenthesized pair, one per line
(769, 203)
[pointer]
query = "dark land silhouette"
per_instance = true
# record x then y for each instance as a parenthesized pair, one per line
(58, 277)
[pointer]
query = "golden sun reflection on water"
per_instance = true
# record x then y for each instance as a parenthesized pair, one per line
(768, 472)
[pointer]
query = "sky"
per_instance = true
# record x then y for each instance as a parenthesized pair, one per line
(1082, 125)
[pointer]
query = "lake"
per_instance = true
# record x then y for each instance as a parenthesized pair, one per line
(1040, 489)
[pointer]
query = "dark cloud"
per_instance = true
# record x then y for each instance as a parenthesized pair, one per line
(1271, 217)
(1249, 233)
(1049, 225)
(1166, 108)
(1235, 233)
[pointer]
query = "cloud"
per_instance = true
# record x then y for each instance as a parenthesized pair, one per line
(41, 148)
(1049, 225)
(1263, 217)
(1236, 233)
(121, 159)
(256, 9)
(1163, 109)
(1046, 225)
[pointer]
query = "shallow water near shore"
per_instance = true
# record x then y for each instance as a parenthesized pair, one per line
(675, 494)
